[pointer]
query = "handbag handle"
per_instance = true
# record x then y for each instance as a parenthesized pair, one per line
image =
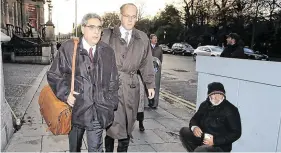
(75, 40)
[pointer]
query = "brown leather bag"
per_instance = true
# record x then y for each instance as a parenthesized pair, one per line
(56, 113)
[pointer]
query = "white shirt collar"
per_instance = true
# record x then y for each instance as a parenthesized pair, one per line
(87, 46)
(123, 30)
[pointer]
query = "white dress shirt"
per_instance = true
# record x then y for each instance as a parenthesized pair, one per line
(153, 46)
(87, 46)
(123, 33)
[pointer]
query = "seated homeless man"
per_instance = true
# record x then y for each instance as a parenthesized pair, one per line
(96, 84)
(215, 126)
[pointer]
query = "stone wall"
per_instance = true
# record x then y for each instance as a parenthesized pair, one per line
(7, 128)
(15, 12)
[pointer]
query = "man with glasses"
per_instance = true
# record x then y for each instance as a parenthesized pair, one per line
(133, 54)
(96, 84)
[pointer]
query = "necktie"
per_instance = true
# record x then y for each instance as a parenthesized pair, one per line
(127, 37)
(91, 54)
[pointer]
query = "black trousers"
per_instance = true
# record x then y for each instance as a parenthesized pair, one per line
(123, 144)
(193, 143)
(140, 116)
(94, 138)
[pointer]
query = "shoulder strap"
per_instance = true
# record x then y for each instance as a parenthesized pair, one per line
(75, 40)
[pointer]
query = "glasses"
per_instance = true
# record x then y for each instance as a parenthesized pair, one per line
(134, 17)
(93, 27)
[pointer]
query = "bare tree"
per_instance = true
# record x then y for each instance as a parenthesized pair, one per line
(110, 19)
(141, 10)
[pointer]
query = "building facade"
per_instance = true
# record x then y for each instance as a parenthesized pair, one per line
(18, 13)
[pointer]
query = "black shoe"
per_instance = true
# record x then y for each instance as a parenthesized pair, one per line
(123, 145)
(141, 127)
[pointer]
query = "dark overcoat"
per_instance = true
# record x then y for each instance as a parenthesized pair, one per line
(97, 83)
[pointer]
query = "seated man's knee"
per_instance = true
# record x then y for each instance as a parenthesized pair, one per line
(184, 131)
(203, 148)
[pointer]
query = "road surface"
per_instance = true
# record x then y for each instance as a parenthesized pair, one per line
(179, 77)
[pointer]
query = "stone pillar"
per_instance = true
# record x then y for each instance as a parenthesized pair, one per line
(3, 14)
(38, 17)
(50, 31)
(19, 4)
(13, 14)
(42, 19)
(7, 13)
(16, 14)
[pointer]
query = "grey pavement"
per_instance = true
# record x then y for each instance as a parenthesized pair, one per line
(161, 134)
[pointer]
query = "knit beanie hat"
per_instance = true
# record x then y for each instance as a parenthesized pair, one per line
(216, 88)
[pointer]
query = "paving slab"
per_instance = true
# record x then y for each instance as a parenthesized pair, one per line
(168, 147)
(56, 143)
(146, 137)
(151, 124)
(166, 136)
(173, 124)
(141, 148)
(180, 113)
(33, 114)
(164, 113)
(24, 144)
(33, 130)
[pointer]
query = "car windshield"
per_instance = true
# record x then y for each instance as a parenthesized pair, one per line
(247, 50)
(216, 49)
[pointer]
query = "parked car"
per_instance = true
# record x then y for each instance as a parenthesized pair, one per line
(182, 48)
(251, 54)
(165, 49)
(207, 51)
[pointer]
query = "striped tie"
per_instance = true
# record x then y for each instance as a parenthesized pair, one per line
(127, 37)
(91, 54)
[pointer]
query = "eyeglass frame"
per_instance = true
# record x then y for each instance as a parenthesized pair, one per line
(134, 17)
(92, 27)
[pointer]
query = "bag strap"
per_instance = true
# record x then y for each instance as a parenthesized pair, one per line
(75, 40)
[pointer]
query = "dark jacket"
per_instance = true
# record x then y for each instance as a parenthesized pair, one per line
(233, 51)
(96, 82)
(157, 52)
(222, 121)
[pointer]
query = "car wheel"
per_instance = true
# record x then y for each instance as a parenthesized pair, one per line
(183, 54)
(194, 57)
(173, 53)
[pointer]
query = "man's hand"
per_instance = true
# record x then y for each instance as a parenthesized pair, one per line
(151, 93)
(71, 99)
(210, 141)
(197, 132)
